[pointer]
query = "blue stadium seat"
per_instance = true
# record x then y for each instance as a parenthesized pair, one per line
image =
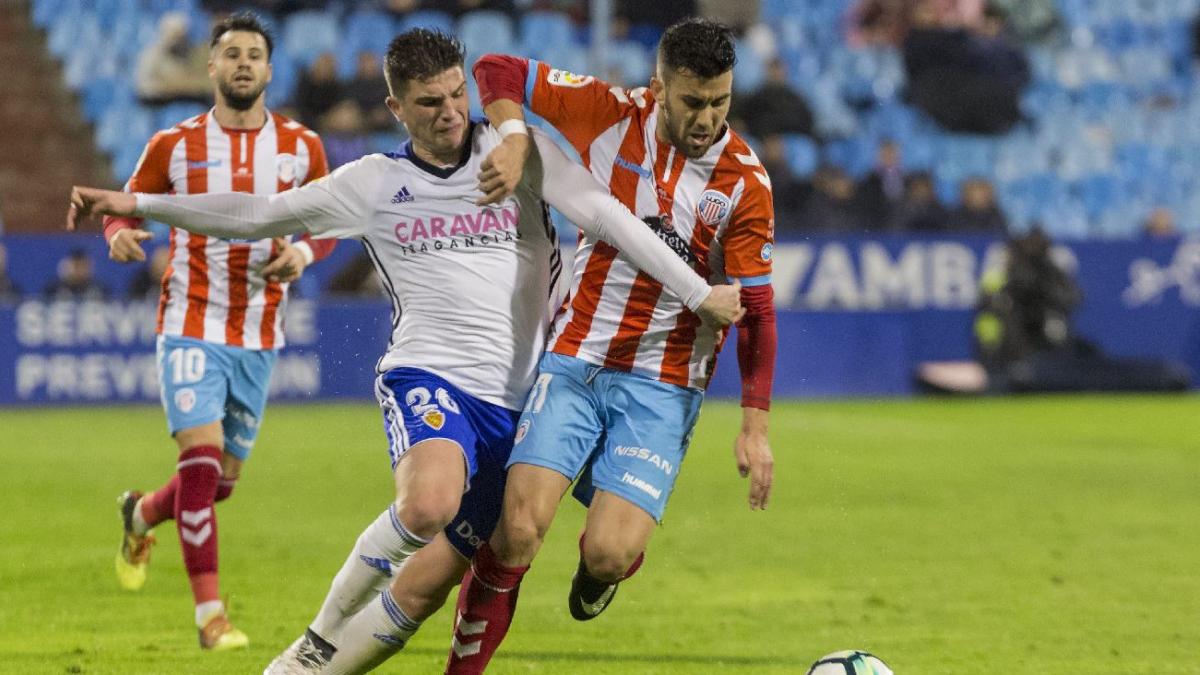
(633, 62)
(365, 31)
(546, 30)
(308, 34)
(803, 154)
(486, 31)
(431, 19)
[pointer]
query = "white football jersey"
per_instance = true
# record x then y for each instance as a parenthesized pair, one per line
(472, 288)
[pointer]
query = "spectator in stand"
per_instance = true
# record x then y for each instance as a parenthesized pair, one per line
(776, 108)
(368, 89)
(831, 206)
(964, 72)
(75, 280)
(979, 211)
(787, 190)
(318, 91)
(343, 134)
(147, 285)
(919, 210)
(173, 68)
(9, 292)
(882, 191)
(739, 15)
(1160, 224)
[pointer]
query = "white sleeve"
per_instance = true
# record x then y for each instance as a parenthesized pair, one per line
(335, 206)
(569, 188)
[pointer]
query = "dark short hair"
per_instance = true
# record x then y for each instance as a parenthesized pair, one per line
(243, 21)
(701, 46)
(419, 54)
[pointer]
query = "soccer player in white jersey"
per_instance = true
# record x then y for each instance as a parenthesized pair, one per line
(220, 317)
(620, 387)
(473, 292)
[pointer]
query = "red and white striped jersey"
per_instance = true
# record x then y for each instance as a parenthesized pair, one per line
(714, 211)
(212, 290)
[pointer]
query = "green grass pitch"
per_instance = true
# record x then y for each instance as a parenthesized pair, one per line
(1028, 535)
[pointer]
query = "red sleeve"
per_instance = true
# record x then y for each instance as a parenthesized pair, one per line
(756, 346)
(500, 76)
(151, 176)
(580, 107)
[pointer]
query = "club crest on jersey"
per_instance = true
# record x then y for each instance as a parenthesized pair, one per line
(522, 431)
(765, 254)
(713, 207)
(285, 167)
(434, 419)
(562, 78)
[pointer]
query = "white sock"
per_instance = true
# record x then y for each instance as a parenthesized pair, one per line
(205, 612)
(376, 633)
(381, 547)
(140, 527)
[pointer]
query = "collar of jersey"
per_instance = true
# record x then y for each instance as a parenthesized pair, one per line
(441, 171)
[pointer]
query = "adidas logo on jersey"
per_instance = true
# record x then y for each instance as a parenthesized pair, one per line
(403, 196)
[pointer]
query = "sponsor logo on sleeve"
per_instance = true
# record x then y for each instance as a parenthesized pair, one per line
(562, 78)
(713, 207)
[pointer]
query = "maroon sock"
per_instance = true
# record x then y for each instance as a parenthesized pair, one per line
(486, 604)
(224, 489)
(199, 470)
(159, 505)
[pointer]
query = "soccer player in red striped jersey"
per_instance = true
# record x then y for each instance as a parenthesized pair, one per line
(620, 386)
(220, 314)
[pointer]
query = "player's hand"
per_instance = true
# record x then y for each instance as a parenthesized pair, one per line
(287, 265)
(87, 202)
(754, 460)
(502, 169)
(126, 245)
(723, 305)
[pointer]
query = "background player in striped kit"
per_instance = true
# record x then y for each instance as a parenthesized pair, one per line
(477, 289)
(620, 387)
(220, 316)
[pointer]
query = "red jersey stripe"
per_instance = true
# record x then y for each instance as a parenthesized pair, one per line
(639, 308)
(196, 145)
(623, 186)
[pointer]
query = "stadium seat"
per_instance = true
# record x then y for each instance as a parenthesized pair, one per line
(803, 154)
(430, 19)
(486, 31)
(308, 34)
(546, 30)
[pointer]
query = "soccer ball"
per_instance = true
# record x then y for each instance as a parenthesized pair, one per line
(849, 662)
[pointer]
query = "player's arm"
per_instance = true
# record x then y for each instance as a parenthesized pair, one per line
(290, 258)
(569, 188)
(335, 207)
(748, 245)
(125, 235)
(578, 107)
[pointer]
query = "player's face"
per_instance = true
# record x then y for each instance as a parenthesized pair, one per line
(692, 109)
(435, 112)
(239, 68)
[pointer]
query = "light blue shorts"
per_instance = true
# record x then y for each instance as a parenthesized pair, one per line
(201, 382)
(622, 433)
